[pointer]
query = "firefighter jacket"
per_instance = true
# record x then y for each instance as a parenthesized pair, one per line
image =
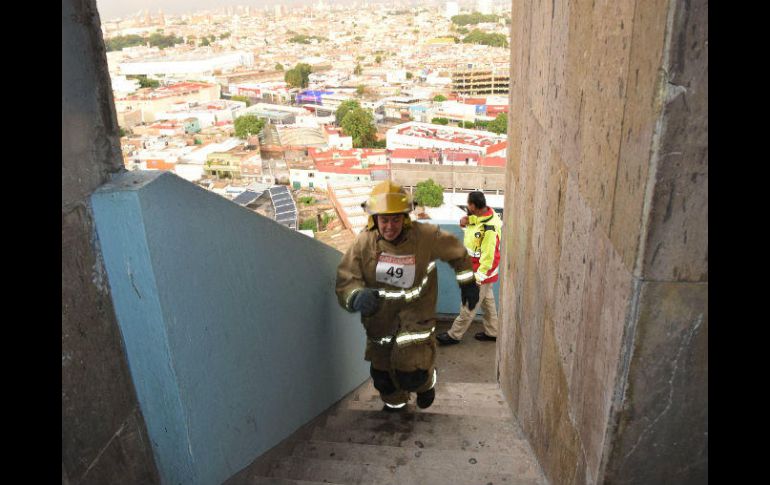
(404, 275)
(482, 240)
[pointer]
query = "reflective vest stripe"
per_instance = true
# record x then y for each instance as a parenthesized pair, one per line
(395, 406)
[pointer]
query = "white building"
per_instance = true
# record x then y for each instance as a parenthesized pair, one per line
(452, 9)
(426, 135)
(189, 66)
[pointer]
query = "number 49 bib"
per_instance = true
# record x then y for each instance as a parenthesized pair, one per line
(396, 270)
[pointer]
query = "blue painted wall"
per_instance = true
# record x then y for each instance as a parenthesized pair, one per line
(449, 292)
(232, 330)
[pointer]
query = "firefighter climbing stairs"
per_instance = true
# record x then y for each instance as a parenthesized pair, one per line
(468, 436)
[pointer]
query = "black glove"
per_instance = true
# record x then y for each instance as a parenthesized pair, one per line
(367, 302)
(469, 294)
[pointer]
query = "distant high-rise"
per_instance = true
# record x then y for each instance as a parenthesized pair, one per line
(278, 11)
(147, 18)
(161, 18)
(452, 9)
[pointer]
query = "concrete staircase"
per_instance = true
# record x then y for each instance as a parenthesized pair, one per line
(467, 436)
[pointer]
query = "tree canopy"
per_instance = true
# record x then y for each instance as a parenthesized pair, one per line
(248, 125)
(473, 18)
(358, 123)
(499, 125)
(479, 37)
(439, 98)
(155, 39)
(429, 193)
(343, 109)
(245, 99)
(298, 76)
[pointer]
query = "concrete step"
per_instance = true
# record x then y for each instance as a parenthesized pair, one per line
(471, 391)
(284, 481)
(521, 465)
(346, 472)
(420, 423)
(342, 417)
(438, 407)
(437, 435)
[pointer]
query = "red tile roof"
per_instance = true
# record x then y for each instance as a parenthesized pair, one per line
(492, 162)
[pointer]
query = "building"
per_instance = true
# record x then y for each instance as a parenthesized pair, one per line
(451, 9)
(335, 167)
(187, 66)
(237, 163)
(168, 98)
(480, 79)
(425, 135)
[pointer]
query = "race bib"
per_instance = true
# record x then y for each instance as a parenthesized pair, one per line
(396, 270)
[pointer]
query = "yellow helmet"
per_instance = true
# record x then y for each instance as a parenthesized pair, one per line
(387, 198)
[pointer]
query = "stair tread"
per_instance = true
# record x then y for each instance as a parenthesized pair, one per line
(439, 407)
(521, 463)
(437, 438)
(407, 474)
(350, 417)
(262, 480)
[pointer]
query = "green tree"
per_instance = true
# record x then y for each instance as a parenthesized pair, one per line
(440, 121)
(248, 125)
(358, 70)
(439, 97)
(205, 42)
(197, 141)
(343, 109)
(278, 66)
(144, 82)
(467, 124)
(378, 59)
(473, 19)
(499, 125)
(359, 124)
(409, 75)
(429, 193)
(479, 37)
(225, 35)
(360, 89)
(298, 76)
(245, 99)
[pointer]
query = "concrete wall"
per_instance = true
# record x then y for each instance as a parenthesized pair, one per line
(459, 177)
(104, 439)
(232, 329)
(604, 332)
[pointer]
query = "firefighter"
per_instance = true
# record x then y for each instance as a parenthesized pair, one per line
(389, 275)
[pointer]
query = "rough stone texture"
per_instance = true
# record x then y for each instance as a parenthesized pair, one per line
(665, 416)
(639, 122)
(606, 190)
(677, 240)
(103, 436)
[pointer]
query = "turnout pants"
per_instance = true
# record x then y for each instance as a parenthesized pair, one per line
(464, 318)
(403, 366)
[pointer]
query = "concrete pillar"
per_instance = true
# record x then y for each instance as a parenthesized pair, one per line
(104, 439)
(604, 322)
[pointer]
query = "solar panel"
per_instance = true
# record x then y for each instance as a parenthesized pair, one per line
(247, 197)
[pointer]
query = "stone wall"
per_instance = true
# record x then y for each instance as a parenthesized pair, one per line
(602, 351)
(104, 439)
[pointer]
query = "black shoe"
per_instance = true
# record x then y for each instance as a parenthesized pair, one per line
(389, 409)
(484, 337)
(444, 339)
(425, 399)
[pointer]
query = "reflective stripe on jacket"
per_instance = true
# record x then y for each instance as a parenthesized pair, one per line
(400, 307)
